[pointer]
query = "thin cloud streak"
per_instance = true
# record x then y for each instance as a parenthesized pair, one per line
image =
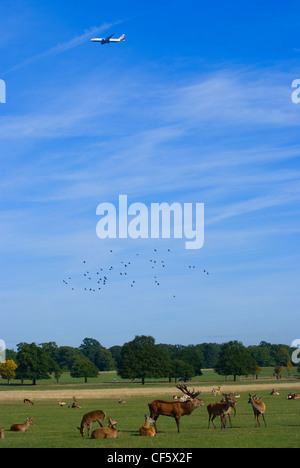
(63, 47)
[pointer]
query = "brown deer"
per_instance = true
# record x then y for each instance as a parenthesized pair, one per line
(146, 430)
(216, 391)
(233, 404)
(293, 396)
(28, 402)
(259, 408)
(109, 432)
(89, 418)
(221, 409)
(273, 393)
(175, 409)
(121, 402)
(2, 433)
(22, 427)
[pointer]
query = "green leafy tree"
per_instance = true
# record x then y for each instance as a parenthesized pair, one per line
(210, 353)
(282, 357)
(192, 356)
(33, 363)
(116, 354)
(142, 358)
(235, 360)
(181, 369)
(97, 354)
(66, 355)
(84, 368)
(103, 360)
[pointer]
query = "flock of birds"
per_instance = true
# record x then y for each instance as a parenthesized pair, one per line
(97, 280)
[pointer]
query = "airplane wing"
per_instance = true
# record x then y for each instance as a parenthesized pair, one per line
(108, 38)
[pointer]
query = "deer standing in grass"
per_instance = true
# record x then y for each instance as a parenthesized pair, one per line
(109, 432)
(216, 391)
(259, 408)
(221, 409)
(233, 404)
(2, 433)
(89, 418)
(175, 409)
(28, 402)
(22, 427)
(146, 430)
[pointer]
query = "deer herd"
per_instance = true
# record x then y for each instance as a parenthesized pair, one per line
(180, 406)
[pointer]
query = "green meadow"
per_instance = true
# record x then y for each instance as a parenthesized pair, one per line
(56, 427)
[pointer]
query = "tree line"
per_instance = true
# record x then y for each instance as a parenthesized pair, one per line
(142, 359)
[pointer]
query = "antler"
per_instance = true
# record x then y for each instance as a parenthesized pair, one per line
(183, 389)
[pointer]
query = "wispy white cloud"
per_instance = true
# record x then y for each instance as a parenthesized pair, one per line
(64, 46)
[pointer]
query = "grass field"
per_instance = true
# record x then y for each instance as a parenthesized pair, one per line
(56, 427)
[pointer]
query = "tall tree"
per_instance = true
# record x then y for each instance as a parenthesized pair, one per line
(142, 358)
(83, 367)
(33, 363)
(8, 370)
(235, 360)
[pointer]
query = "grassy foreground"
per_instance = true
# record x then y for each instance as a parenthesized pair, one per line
(56, 427)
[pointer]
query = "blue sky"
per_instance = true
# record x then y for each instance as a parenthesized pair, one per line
(195, 107)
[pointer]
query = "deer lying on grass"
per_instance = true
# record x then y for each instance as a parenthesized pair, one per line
(22, 427)
(259, 408)
(2, 433)
(175, 409)
(121, 402)
(109, 432)
(221, 409)
(89, 418)
(146, 430)
(293, 396)
(274, 393)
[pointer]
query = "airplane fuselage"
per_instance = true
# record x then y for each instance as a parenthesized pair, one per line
(108, 40)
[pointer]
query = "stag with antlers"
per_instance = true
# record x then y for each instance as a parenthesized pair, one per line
(175, 409)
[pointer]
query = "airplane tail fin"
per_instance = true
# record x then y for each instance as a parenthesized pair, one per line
(122, 38)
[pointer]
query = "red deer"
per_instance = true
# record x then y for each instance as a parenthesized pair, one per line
(221, 409)
(293, 396)
(22, 427)
(259, 408)
(109, 432)
(274, 393)
(175, 409)
(233, 404)
(146, 430)
(28, 402)
(89, 418)
(121, 402)
(2, 433)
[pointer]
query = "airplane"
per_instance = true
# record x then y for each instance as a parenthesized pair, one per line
(108, 40)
